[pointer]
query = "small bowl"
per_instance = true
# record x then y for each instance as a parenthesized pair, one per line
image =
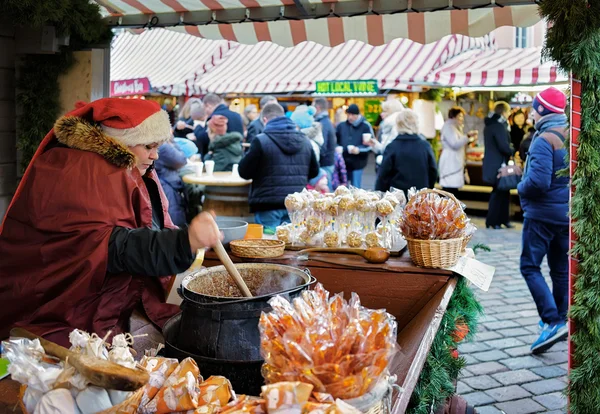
(232, 229)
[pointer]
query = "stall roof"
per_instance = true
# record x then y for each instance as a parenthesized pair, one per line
(172, 61)
(270, 68)
(497, 67)
(328, 22)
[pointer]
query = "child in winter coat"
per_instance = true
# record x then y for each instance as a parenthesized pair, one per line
(320, 183)
(225, 148)
(340, 175)
(304, 117)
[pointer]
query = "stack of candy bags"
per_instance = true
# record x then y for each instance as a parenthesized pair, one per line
(53, 387)
(347, 217)
(339, 347)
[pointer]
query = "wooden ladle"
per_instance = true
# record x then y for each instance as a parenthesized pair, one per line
(371, 255)
(231, 269)
(99, 372)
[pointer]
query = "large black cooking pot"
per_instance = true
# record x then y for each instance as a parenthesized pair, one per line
(224, 327)
(245, 376)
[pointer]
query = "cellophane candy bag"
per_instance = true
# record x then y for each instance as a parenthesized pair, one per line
(431, 216)
(338, 346)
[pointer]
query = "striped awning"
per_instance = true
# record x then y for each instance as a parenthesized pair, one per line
(172, 61)
(327, 22)
(497, 67)
(270, 68)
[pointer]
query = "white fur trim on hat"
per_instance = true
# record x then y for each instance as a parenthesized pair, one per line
(155, 129)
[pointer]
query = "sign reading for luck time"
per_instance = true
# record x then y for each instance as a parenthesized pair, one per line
(348, 87)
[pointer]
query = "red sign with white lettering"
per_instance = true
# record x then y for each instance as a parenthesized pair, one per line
(125, 87)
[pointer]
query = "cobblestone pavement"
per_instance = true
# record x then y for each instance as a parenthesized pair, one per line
(501, 375)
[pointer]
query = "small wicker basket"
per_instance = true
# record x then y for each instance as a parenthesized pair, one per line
(437, 254)
(257, 248)
(465, 242)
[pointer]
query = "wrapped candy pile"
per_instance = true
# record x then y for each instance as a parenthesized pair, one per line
(337, 346)
(344, 218)
(429, 215)
(53, 387)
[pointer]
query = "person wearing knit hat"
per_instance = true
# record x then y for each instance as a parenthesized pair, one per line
(225, 148)
(544, 196)
(87, 238)
(352, 137)
(304, 117)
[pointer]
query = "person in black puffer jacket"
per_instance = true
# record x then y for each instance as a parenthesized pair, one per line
(408, 161)
(350, 137)
(280, 161)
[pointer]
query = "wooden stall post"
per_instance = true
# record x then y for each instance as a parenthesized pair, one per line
(574, 146)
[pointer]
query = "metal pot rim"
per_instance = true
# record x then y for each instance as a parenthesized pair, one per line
(304, 274)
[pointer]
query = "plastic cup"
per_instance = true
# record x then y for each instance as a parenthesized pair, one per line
(255, 231)
(366, 139)
(198, 168)
(210, 167)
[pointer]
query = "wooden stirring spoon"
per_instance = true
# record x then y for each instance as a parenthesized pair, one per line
(372, 254)
(231, 269)
(99, 372)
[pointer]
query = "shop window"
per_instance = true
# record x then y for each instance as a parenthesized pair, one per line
(522, 37)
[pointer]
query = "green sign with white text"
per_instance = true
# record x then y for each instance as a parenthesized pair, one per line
(348, 87)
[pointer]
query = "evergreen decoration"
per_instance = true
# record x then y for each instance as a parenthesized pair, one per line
(573, 40)
(443, 364)
(433, 94)
(38, 91)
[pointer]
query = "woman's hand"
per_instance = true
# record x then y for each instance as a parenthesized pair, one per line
(203, 231)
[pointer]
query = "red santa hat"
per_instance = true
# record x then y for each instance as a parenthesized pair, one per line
(130, 121)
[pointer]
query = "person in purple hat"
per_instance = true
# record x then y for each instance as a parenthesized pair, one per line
(545, 201)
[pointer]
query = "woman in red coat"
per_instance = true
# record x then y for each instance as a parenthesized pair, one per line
(87, 239)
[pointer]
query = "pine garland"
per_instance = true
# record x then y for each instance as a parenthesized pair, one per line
(441, 368)
(38, 89)
(574, 42)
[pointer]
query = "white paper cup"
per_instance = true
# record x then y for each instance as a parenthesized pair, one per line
(210, 167)
(366, 139)
(235, 170)
(198, 167)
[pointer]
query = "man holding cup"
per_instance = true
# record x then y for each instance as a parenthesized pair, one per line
(354, 136)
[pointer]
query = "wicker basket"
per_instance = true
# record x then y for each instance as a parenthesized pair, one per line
(129, 406)
(465, 242)
(437, 254)
(257, 248)
(378, 400)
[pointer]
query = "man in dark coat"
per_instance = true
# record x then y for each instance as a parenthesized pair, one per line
(327, 160)
(214, 105)
(408, 161)
(350, 137)
(280, 161)
(497, 152)
(257, 126)
(87, 239)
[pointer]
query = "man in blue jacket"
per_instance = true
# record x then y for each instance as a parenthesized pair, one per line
(214, 105)
(280, 161)
(545, 201)
(327, 160)
(350, 137)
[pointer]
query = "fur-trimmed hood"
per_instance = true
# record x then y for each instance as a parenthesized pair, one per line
(78, 133)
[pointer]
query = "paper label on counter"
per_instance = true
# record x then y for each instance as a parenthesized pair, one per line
(480, 274)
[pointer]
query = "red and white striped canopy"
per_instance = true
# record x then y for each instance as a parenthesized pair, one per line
(172, 61)
(269, 68)
(327, 22)
(497, 67)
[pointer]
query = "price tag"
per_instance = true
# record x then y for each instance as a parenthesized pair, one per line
(480, 274)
